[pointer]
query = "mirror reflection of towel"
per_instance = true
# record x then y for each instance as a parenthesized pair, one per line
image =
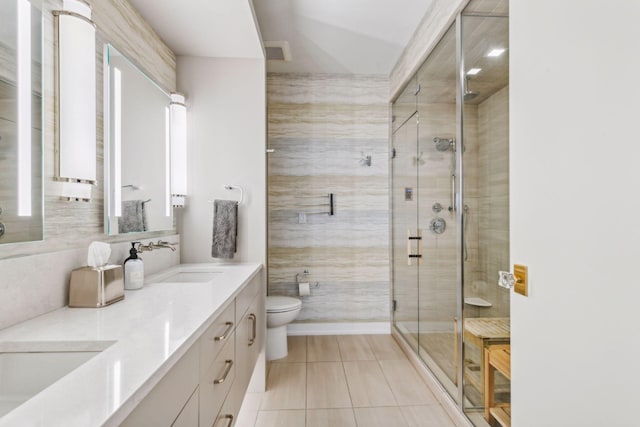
(225, 229)
(134, 218)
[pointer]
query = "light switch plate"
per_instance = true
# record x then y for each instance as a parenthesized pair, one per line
(522, 280)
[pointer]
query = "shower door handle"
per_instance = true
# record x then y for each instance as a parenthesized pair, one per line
(452, 206)
(418, 255)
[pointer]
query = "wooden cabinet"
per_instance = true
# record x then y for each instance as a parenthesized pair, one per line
(216, 336)
(205, 388)
(189, 415)
(162, 406)
(216, 382)
(250, 340)
(228, 413)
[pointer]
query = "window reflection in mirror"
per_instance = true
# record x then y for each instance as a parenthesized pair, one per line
(136, 149)
(21, 206)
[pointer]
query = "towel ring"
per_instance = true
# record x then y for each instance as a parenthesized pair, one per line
(235, 187)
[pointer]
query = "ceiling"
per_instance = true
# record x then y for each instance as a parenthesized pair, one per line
(213, 28)
(325, 36)
(339, 36)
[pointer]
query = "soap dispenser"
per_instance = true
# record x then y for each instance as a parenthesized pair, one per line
(133, 270)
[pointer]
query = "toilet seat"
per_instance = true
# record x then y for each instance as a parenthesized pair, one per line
(280, 304)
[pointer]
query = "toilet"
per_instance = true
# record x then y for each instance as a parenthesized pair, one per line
(280, 312)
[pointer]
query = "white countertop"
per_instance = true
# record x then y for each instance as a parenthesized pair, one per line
(144, 335)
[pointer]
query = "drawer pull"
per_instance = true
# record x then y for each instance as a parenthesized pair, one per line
(229, 419)
(253, 329)
(225, 334)
(229, 364)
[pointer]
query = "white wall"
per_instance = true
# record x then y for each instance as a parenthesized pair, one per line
(226, 138)
(575, 211)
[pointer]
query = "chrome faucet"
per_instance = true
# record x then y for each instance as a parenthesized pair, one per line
(158, 245)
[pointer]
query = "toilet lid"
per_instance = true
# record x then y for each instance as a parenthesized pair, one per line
(278, 304)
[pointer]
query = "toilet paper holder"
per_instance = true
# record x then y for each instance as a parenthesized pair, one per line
(304, 278)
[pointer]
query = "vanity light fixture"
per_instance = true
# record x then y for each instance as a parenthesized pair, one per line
(117, 142)
(75, 82)
(24, 107)
(473, 71)
(496, 52)
(167, 162)
(178, 131)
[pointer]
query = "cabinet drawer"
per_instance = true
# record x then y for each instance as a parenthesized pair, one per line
(189, 415)
(216, 336)
(163, 404)
(228, 414)
(216, 382)
(245, 297)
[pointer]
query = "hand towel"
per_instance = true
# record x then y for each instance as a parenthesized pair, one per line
(133, 217)
(225, 229)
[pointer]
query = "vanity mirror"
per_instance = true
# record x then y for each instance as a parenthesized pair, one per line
(137, 149)
(21, 206)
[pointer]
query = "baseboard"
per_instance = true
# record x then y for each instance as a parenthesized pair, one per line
(346, 328)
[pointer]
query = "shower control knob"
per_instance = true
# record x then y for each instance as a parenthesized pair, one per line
(437, 225)
(437, 207)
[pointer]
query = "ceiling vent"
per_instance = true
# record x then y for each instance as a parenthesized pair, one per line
(277, 51)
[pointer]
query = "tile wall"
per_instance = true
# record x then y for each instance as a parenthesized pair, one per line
(493, 202)
(320, 127)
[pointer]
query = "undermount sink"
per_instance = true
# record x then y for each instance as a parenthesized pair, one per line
(192, 277)
(26, 370)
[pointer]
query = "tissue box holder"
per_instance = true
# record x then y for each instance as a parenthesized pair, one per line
(96, 286)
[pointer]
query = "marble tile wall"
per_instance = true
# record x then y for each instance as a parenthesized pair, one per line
(70, 226)
(493, 198)
(320, 126)
(37, 284)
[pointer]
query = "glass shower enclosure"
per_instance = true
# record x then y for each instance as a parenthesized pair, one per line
(450, 206)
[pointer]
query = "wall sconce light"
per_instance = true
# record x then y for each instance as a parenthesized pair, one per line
(178, 136)
(76, 99)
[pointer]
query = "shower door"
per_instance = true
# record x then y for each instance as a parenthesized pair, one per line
(406, 246)
(436, 169)
(450, 214)
(424, 217)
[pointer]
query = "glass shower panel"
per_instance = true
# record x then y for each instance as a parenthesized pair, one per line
(405, 224)
(405, 106)
(485, 211)
(437, 217)
(450, 200)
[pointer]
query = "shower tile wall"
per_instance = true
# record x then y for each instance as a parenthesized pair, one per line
(487, 195)
(320, 127)
(493, 197)
(438, 273)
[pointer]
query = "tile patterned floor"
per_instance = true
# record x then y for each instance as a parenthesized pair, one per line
(343, 381)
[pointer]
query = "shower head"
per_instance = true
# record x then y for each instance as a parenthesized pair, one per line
(468, 94)
(444, 144)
